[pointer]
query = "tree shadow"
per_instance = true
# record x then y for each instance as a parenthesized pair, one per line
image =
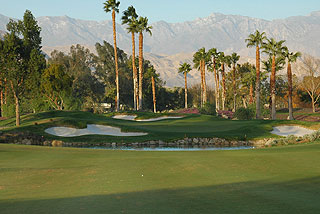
(298, 196)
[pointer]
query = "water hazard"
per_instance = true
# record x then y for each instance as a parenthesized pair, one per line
(165, 148)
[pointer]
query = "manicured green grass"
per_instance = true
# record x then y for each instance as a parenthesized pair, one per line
(68, 180)
(170, 129)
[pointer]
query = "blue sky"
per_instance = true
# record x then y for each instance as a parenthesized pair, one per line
(167, 10)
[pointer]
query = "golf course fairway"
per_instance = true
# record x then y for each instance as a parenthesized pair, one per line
(69, 180)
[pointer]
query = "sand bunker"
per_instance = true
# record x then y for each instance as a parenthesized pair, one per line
(91, 130)
(291, 130)
(125, 117)
(158, 118)
(132, 118)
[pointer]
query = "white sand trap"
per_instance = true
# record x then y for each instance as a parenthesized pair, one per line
(291, 130)
(124, 117)
(91, 130)
(158, 118)
(132, 118)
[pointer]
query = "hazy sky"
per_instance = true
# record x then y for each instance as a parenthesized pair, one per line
(167, 10)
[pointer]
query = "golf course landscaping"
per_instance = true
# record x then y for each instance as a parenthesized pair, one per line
(183, 126)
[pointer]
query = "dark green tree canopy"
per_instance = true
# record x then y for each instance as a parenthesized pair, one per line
(185, 68)
(111, 5)
(143, 25)
(256, 39)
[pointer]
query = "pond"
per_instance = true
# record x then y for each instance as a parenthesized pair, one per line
(165, 148)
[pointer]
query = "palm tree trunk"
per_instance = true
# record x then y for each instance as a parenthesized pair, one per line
(273, 88)
(204, 82)
(251, 94)
(154, 95)
(17, 110)
(185, 91)
(218, 89)
(201, 75)
(258, 111)
(5, 91)
(2, 102)
(116, 58)
(223, 87)
(15, 95)
(1, 98)
(216, 85)
(140, 69)
(234, 87)
(290, 92)
(134, 70)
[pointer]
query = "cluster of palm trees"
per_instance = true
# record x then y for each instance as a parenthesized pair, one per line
(135, 24)
(212, 61)
(278, 54)
(216, 62)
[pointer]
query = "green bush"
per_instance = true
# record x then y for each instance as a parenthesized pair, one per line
(244, 114)
(208, 108)
(264, 111)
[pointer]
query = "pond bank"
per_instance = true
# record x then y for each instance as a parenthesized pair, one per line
(32, 139)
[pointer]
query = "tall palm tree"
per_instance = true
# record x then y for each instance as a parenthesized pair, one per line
(200, 59)
(279, 64)
(291, 57)
(152, 71)
(256, 40)
(213, 67)
(273, 49)
(185, 68)
(113, 5)
(130, 19)
(234, 60)
(224, 60)
(142, 26)
(247, 73)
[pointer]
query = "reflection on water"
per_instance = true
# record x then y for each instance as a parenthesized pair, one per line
(166, 148)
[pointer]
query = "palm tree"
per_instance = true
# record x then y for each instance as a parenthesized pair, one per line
(291, 57)
(200, 59)
(256, 40)
(273, 49)
(234, 59)
(152, 71)
(224, 60)
(279, 63)
(248, 79)
(213, 67)
(113, 5)
(142, 26)
(185, 68)
(130, 19)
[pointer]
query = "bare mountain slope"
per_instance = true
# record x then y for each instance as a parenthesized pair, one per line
(226, 32)
(172, 44)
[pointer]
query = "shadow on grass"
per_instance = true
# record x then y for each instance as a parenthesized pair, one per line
(299, 196)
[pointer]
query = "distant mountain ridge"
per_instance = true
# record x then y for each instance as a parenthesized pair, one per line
(226, 32)
(174, 43)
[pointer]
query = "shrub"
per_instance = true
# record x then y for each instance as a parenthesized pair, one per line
(208, 108)
(264, 111)
(244, 114)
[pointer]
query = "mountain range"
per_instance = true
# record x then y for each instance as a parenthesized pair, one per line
(174, 43)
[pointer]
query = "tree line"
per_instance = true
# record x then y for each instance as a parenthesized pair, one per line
(250, 76)
(81, 80)
(31, 81)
